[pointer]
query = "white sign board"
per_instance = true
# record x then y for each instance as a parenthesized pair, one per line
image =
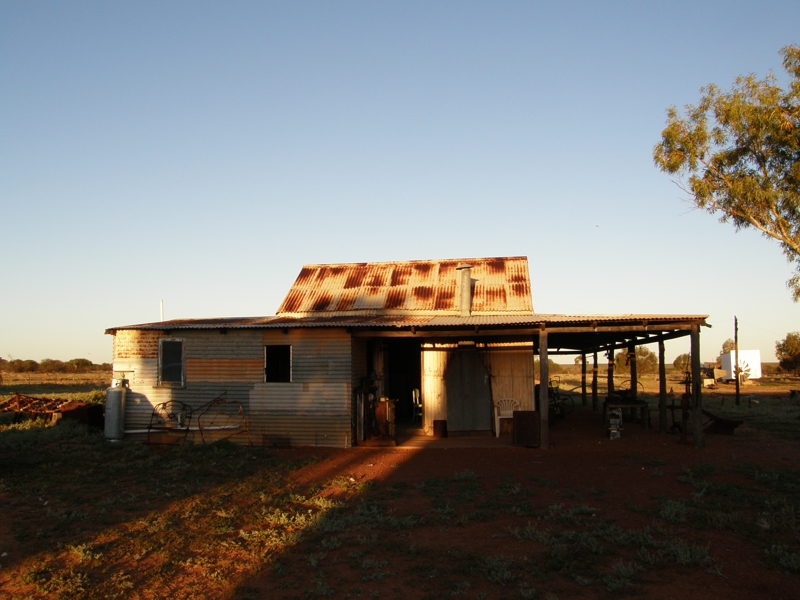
(749, 363)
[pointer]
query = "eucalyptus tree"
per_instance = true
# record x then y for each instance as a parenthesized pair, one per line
(737, 154)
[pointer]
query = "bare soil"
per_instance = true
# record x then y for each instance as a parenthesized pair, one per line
(617, 477)
(488, 522)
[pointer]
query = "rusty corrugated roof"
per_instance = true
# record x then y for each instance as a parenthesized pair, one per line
(382, 321)
(501, 286)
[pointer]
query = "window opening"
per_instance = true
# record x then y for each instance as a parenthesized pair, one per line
(278, 364)
(171, 361)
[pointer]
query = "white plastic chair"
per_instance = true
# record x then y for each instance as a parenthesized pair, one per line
(504, 409)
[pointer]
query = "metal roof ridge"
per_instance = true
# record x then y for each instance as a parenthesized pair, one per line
(421, 260)
(402, 313)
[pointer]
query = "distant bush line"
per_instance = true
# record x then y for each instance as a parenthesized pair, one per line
(48, 365)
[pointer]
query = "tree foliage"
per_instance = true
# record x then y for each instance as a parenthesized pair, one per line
(646, 361)
(49, 365)
(737, 154)
(682, 362)
(727, 346)
(552, 367)
(787, 352)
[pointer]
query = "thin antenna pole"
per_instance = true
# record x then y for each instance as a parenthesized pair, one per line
(162, 310)
(736, 355)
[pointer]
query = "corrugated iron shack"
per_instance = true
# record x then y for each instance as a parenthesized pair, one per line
(457, 334)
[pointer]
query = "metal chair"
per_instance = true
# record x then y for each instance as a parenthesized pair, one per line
(169, 423)
(222, 419)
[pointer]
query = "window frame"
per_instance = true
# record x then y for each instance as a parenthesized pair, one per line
(290, 364)
(171, 383)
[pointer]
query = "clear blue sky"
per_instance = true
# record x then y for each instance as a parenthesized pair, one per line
(201, 153)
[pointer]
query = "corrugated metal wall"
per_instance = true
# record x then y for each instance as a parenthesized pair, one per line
(314, 409)
(469, 392)
(511, 376)
(434, 394)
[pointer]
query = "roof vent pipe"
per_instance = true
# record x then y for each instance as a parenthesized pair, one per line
(465, 280)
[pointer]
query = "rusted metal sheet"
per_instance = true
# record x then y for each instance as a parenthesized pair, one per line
(500, 286)
(512, 376)
(221, 369)
(376, 320)
(20, 403)
(34, 406)
(216, 323)
(645, 320)
(434, 392)
(136, 344)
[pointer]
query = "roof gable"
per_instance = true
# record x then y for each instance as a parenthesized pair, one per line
(500, 286)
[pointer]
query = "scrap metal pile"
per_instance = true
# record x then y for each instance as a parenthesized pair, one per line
(20, 403)
(54, 408)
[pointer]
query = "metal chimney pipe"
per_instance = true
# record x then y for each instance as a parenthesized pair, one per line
(465, 279)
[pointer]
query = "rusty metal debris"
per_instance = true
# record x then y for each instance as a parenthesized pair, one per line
(22, 404)
(52, 408)
(170, 423)
(222, 415)
(220, 419)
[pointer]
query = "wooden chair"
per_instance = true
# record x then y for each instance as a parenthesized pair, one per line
(504, 409)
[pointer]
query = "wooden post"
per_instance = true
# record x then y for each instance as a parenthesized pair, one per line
(583, 378)
(610, 371)
(662, 389)
(632, 361)
(544, 400)
(697, 416)
(594, 381)
(736, 370)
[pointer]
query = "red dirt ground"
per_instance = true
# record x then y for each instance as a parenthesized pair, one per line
(580, 458)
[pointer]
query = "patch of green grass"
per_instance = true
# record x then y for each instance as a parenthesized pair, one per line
(570, 495)
(543, 482)
(498, 569)
(770, 414)
(683, 553)
(434, 487)
(699, 472)
(784, 559)
(673, 511)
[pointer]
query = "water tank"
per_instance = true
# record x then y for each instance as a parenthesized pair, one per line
(115, 412)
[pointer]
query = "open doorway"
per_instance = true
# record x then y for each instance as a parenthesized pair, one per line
(402, 375)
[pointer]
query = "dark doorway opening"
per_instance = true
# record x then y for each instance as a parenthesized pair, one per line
(402, 375)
